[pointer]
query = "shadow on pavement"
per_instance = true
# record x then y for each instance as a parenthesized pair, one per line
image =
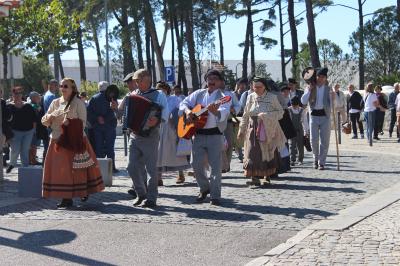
(37, 242)
(317, 180)
(314, 188)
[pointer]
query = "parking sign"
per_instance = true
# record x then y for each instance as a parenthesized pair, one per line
(170, 74)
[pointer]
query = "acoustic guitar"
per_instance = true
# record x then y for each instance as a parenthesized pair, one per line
(187, 129)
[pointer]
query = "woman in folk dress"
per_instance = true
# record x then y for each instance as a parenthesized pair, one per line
(262, 134)
(70, 169)
(168, 161)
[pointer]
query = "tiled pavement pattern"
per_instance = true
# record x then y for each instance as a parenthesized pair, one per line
(373, 241)
(292, 202)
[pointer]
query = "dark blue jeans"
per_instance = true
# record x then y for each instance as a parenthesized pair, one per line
(104, 138)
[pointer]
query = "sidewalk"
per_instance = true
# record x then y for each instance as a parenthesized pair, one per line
(368, 233)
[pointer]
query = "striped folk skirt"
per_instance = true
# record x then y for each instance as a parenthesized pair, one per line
(60, 180)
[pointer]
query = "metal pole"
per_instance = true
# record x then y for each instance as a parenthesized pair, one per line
(107, 45)
(339, 128)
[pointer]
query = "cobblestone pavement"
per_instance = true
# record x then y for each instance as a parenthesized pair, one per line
(292, 202)
(373, 241)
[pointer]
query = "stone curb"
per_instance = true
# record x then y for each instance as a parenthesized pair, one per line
(15, 201)
(345, 219)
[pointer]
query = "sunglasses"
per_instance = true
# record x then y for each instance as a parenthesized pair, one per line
(65, 86)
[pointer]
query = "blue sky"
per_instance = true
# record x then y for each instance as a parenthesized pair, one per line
(336, 24)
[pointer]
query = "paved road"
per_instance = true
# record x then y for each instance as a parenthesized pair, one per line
(180, 232)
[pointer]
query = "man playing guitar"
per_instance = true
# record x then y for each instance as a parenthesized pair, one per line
(208, 141)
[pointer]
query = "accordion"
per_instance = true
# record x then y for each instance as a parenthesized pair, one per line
(138, 110)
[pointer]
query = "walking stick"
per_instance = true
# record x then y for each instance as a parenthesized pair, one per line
(336, 135)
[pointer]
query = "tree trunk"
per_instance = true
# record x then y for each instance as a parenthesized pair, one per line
(128, 63)
(191, 45)
(4, 52)
(153, 64)
(251, 40)
(283, 64)
(56, 65)
(398, 11)
(246, 49)
(181, 62)
(60, 65)
(312, 43)
(221, 43)
(171, 22)
(153, 32)
(361, 67)
(148, 52)
(96, 42)
(138, 38)
(295, 43)
(81, 53)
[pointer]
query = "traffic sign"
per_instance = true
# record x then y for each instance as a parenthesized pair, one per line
(170, 74)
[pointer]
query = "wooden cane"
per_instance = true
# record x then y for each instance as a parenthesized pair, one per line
(336, 135)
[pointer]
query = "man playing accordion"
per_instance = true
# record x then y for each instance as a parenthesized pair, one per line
(143, 146)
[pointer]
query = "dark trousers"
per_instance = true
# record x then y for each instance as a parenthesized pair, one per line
(379, 119)
(393, 119)
(104, 138)
(355, 120)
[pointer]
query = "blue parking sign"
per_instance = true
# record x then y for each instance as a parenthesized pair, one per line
(170, 74)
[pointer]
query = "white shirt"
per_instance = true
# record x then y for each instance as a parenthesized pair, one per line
(189, 102)
(319, 104)
(369, 99)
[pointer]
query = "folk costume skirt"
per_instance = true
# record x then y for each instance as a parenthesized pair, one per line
(252, 164)
(60, 180)
(167, 160)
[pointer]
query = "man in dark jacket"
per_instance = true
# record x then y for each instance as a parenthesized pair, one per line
(355, 104)
(104, 122)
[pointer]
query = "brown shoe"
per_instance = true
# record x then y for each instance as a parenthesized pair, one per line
(180, 179)
(160, 182)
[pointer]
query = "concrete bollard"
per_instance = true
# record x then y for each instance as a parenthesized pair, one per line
(30, 181)
(105, 165)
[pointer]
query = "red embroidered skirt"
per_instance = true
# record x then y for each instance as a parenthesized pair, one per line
(60, 180)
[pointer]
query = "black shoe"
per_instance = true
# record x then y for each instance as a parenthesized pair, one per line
(292, 163)
(115, 170)
(215, 202)
(139, 201)
(65, 203)
(390, 134)
(315, 165)
(149, 204)
(226, 170)
(398, 141)
(354, 137)
(132, 192)
(321, 167)
(376, 138)
(9, 168)
(84, 199)
(202, 196)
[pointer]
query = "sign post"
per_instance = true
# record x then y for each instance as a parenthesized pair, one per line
(169, 74)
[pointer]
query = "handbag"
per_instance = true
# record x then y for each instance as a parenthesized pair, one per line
(184, 147)
(346, 127)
